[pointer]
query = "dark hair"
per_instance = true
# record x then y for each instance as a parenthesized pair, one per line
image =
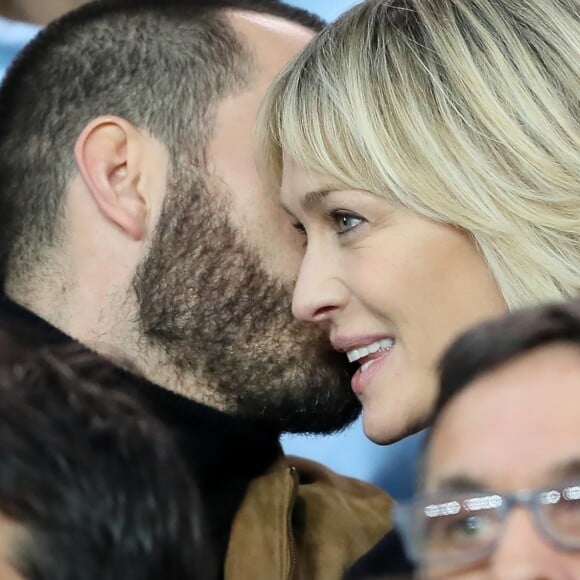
(494, 343)
(95, 482)
(160, 64)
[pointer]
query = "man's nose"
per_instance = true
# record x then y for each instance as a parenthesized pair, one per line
(320, 291)
(524, 554)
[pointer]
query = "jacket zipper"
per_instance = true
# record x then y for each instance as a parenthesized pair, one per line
(292, 547)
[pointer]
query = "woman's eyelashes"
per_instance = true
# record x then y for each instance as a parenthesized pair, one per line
(341, 221)
(299, 227)
(345, 221)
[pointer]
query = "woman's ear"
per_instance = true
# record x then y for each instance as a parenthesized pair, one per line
(110, 154)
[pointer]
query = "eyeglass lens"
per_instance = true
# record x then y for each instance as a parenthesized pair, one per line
(464, 528)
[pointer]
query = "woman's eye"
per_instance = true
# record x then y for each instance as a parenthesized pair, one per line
(346, 222)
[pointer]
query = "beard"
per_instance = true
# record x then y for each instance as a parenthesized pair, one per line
(206, 301)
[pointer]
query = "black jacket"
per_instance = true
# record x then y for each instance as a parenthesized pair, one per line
(223, 452)
(386, 560)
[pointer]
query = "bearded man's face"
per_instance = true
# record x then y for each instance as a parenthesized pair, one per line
(207, 301)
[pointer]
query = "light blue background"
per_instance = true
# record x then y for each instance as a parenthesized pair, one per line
(328, 9)
(13, 36)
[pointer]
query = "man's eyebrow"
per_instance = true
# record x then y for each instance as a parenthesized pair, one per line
(566, 469)
(459, 483)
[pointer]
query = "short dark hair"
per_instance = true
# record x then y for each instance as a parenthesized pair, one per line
(159, 64)
(494, 343)
(96, 483)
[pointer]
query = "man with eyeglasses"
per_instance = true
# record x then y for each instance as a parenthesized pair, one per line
(500, 494)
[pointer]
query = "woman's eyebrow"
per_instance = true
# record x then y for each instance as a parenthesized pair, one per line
(311, 200)
(315, 197)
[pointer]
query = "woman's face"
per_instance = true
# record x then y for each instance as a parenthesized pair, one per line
(392, 288)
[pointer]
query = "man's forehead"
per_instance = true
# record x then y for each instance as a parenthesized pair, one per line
(536, 392)
(540, 371)
(253, 24)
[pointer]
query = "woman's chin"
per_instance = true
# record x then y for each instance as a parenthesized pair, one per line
(386, 428)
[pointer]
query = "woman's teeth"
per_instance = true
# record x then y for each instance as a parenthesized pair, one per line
(362, 351)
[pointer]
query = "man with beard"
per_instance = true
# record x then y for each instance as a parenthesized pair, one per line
(133, 221)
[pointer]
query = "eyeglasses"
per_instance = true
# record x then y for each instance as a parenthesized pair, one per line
(454, 530)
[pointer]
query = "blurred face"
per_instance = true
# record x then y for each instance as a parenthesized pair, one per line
(215, 290)
(38, 12)
(515, 428)
(390, 288)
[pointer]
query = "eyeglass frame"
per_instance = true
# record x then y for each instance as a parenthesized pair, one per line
(403, 516)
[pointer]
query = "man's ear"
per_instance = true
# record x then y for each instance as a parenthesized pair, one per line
(110, 154)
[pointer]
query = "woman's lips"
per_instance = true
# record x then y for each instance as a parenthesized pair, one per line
(370, 366)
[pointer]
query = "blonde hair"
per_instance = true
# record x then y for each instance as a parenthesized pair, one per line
(465, 111)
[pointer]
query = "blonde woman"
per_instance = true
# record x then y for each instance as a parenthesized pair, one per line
(429, 151)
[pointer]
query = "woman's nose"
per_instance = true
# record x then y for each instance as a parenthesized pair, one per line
(320, 291)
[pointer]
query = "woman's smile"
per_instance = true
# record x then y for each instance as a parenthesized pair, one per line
(370, 366)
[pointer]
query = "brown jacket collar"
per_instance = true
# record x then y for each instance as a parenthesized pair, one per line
(301, 521)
